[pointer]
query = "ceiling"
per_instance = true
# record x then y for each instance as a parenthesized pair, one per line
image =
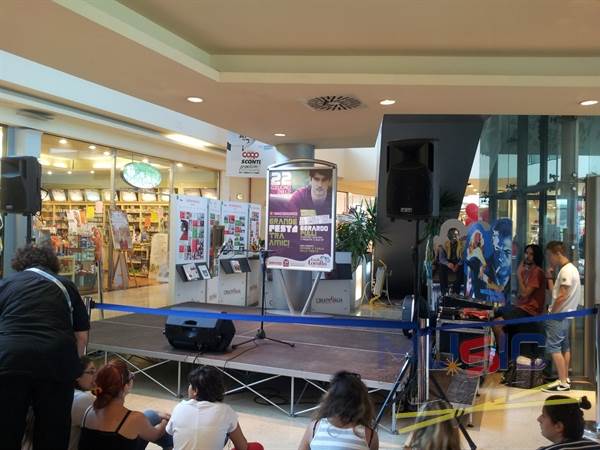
(256, 63)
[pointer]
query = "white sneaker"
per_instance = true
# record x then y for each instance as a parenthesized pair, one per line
(557, 386)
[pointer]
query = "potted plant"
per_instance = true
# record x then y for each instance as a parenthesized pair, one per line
(357, 232)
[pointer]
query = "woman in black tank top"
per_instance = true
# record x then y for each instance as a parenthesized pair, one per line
(107, 424)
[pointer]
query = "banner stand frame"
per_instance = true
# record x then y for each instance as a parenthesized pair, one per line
(299, 164)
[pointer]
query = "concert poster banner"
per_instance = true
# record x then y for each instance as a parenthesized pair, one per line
(247, 157)
(488, 261)
(301, 218)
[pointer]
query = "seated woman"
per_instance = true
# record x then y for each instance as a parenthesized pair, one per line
(562, 423)
(82, 399)
(107, 424)
(439, 436)
(204, 422)
(343, 420)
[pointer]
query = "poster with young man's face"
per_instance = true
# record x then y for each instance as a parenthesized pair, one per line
(301, 219)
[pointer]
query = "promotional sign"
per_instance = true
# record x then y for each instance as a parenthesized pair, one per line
(247, 157)
(191, 244)
(488, 260)
(301, 218)
(159, 257)
(120, 230)
(234, 217)
(254, 232)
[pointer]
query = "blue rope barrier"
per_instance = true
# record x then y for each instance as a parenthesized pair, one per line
(302, 320)
(541, 318)
(347, 322)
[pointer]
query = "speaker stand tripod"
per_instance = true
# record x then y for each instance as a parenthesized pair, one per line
(260, 333)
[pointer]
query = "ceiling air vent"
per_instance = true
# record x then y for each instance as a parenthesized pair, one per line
(334, 103)
(35, 114)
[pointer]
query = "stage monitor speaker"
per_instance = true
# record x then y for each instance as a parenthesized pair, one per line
(199, 334)
(20, 185)
(412, 187)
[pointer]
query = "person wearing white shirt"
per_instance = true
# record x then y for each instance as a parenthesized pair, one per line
(82, 399)
(566, 294)
(204, 422)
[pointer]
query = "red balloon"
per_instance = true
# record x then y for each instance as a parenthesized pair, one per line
(472, 209)
(485, 215)
(469, 221)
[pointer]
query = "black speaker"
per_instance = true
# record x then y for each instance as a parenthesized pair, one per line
(199, 334)
(412, 185)
(20, 188)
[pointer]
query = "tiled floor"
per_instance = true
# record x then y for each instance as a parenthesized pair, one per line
(511, 428)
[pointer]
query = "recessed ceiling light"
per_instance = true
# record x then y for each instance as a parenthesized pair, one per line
(588, 102)
(179, 165)
(62, 141)
(92, 147)
(106, 153)
(145, 160)
(279, 134)
(49, 172)
(92, 171)
(195, 99)
(387, 102)
(69, 172)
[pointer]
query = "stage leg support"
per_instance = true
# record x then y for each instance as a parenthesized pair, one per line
(292, 396)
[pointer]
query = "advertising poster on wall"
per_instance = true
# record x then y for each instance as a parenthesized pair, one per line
(234, 217)
(247, 157)
(159, 257)
(301, 219)
(254, 233)
(191, 235)
(119, 226)
(488, 261)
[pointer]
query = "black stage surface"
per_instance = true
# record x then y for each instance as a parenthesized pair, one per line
(375, 354)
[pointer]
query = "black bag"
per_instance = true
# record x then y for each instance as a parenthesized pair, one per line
(524, 377)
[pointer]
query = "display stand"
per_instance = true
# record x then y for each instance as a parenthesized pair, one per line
(188, 234)
(301, 233)
(123, 265)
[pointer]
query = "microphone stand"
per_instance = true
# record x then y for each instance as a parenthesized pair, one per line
(260, 333)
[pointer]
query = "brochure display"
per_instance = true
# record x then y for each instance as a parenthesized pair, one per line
(253, 278)
(189, 245)
(212, 285)
(233, 259)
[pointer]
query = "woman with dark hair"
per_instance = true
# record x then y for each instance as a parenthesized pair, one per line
(344, 418)
(531, 298)
(562, 423)
(82, 399)
(43, 324)
(439, 436)
(107, 424)
(204, 422)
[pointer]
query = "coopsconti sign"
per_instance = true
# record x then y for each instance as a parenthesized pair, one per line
(247, 157)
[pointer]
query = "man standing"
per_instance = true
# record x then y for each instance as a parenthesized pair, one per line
(566, 293)
(532, 291)
(314, 199)
(452, 261)
(43, 331)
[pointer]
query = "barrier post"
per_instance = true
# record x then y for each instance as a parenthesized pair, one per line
(592, 428)
(423, 361)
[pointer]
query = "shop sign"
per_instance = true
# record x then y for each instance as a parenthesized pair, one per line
(141, 175)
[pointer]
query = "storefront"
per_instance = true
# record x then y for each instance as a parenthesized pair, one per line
(82, 182)
(532, 169)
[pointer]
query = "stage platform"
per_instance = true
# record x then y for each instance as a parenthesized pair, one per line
(320, 351)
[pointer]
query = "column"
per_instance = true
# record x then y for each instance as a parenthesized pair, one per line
(522, 150)
(568, 182)
(19, 142)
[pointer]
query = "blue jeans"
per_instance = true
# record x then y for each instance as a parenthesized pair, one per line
(557, 336)
(166, 441)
